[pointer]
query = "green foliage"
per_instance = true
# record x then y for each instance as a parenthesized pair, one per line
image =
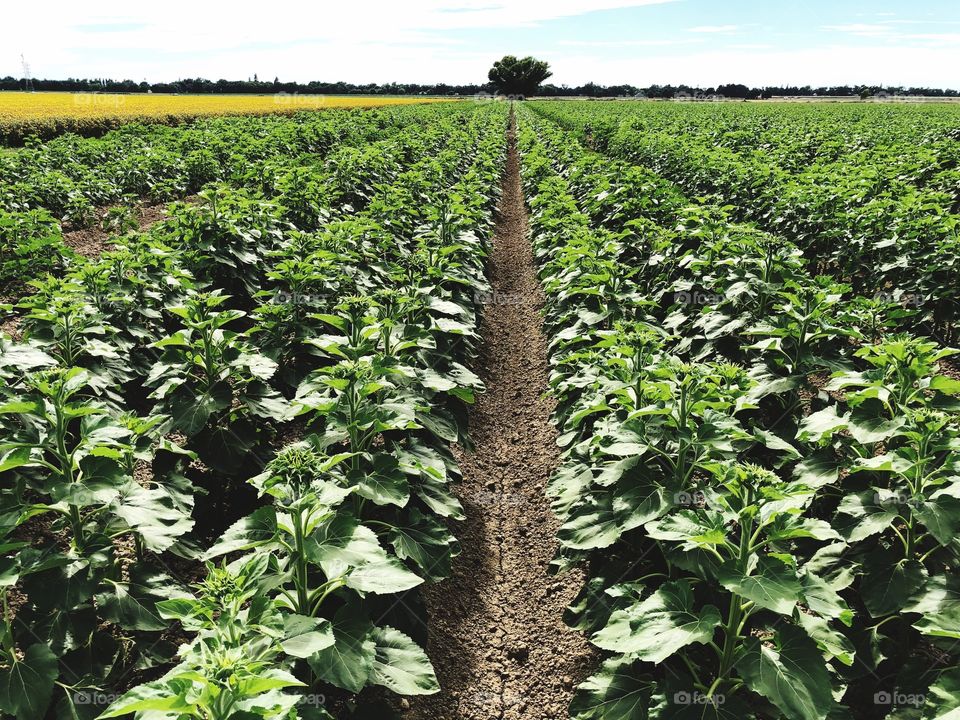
(760, 474)
(143, 405)
(518, 76)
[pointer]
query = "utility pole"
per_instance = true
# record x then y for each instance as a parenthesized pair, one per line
(27, 80)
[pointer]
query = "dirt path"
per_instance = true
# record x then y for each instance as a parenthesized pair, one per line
(498, 642)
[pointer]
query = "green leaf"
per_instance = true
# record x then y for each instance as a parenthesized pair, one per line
(941, 516)
(427, 542)
(342, 544)
(306, 636)
(693, 528)
(823, 599)
(249, 532)
(656, 628)
(821, 425)
(154, 515)
(889, 582)
(385, 484)
(829, 640)
(401, 665)
(14, 458)
(190, 411)
(817, 470)
(348, 663)
(385, 577)
(592, 525)
(26, 686)
(156, 696)
(945, 384)
(615, 693)
(133, 605)
(869, 517)
(943, 697)
(792, 674)
(772, 584)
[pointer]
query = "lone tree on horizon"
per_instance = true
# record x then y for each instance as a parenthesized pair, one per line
(515, 76)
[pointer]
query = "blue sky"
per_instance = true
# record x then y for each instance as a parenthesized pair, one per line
(699, 42)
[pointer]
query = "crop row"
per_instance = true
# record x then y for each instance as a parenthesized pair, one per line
(291, 354)
(66, 180)
(760, 476)
(874, 199)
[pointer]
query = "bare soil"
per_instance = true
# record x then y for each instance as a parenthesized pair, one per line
(497, 639)
(92, 241)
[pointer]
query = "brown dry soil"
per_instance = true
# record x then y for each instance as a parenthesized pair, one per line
(92, 241)
(497, 639)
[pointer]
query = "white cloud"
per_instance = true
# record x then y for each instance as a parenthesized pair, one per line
(421, 41)
(888, 31)
(361, 40)
(832, 65)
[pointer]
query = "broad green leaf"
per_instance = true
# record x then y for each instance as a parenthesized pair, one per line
(190, 411)
(889, 582)
(384, 484)
(829, 640)
(155, 697)
(133, 605)
(306, 636)
(401, 665)
(342, 544)
(772, 584)
(26, 686)
(656, 628)
(592, 526)
(348, 663)
(383, 578)
(941, 517)
(251, 531)
(426, 541)
(154, 515)
(791, 674)
(614, 693)
(943, 697)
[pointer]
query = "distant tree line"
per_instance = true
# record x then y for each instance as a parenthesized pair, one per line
(202, 86)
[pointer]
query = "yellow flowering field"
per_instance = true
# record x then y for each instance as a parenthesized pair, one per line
(50, 113)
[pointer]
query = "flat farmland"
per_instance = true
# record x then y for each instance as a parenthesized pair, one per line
(484, 410)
